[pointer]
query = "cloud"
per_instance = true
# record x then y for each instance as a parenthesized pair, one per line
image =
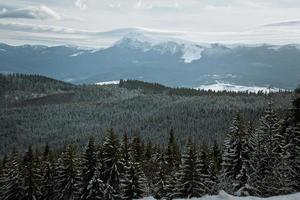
(81, 4)
(63, 30)
(285, 23)
(138, 4)
(30, 12)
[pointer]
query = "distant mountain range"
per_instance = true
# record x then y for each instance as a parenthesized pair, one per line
(164, 60)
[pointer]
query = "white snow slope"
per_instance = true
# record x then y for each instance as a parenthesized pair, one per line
(224, 196)
(108, 83)
(219, 86)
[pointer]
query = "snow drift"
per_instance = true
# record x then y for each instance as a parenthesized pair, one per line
(224, 196)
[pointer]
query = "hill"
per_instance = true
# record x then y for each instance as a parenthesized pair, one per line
(167, 61)
(38, 110)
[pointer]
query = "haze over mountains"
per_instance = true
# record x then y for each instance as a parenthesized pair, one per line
(169, 61)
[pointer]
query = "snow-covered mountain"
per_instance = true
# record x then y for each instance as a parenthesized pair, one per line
(144, 42)
(155, 58)
(219, 86)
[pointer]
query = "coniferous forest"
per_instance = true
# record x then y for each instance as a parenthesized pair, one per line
(259, 156)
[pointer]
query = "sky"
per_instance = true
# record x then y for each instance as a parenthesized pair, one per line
(99, 23)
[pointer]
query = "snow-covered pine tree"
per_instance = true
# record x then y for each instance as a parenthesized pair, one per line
(68, 179)
(206, 171)
(30, 185)
(189, 183)
(269, 129)
(12, 180)
(296, 122)
(88, 167)
(213, 170)
(133, 182)
(47, 184)
(172, 153)
(125, 149)
(291, 149)
(231, 159)
(95, 189)
(241, 185)
(112, 164)
(160, 177)
(263, 160)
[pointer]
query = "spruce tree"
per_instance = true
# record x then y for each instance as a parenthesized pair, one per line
(133, 183)
(88, 167)
(47, 182)
(231, 159)
(112, 165)
(67, 178)
(205, 171)
(263, 180)
(95, 189)
(31, 186)
(160, 177)
(12, 179)
(189, 182)
(172, 152)
(241, 184)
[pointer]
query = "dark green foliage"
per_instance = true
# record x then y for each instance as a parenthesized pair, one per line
(95, 189)
(12, 179)
(58, 113)
(231, 160)
(189, 181)
(112, 165)
(31, 176)
(67, 178)
(172, 152)
(88, 167)
(133, 183)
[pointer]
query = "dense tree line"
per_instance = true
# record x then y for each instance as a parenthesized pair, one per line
(36, 111)
(262, 161)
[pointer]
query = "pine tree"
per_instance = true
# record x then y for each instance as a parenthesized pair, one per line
(205, 172)
(133, 184)
(67, 177)
(95, 189)
(160, 177)
(112, 164)
(12, 180)
(125, 150)
(241, 185)
(30, 187)
(88, 167)
(47, 183)
(189, 182)
(231, 160)
(263, 181)
(172, 153)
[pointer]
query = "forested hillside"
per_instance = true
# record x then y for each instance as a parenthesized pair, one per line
(38, 110)
(262, 162)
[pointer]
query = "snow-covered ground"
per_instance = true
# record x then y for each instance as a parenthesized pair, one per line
(108, 83)
(224, 196)
(219, 86)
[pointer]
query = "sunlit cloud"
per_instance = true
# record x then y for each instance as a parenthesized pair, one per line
(30, 12)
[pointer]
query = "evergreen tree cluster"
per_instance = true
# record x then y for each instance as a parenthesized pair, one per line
(264, 161)
(261, 160)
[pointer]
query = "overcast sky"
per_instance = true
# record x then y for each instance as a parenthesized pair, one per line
(90, 22)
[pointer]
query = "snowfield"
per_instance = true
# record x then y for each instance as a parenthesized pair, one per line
(224, 196)
(219, 86)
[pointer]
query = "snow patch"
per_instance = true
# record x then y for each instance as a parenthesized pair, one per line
(224, 196)
(219, 86)
(77, 54)
(108, 83)
(191, 53)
